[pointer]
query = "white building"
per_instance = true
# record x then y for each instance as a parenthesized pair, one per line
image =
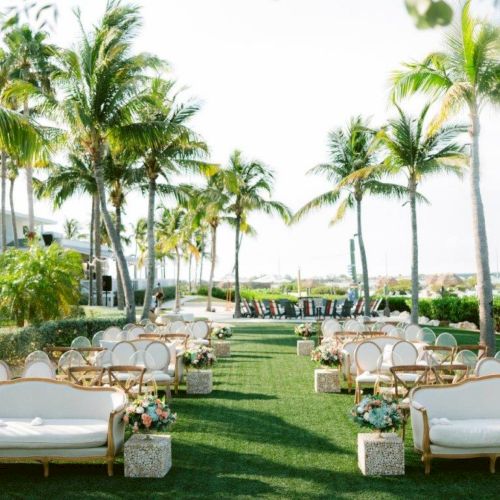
(22, 226)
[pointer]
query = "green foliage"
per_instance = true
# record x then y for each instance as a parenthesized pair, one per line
(217, 293)
(40, 284)
(396, 304)
(327, 291)
(16, 345)
(168, 291)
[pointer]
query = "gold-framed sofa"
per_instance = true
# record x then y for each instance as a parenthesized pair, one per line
(457, 420)
(45, 420)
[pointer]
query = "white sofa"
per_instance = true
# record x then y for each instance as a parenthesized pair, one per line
(77, 423)
(458, 420)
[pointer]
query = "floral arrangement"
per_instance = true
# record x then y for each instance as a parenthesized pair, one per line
(378, 412)
(224, 332)
(326, 355)
(148, 413)
(305, 330)
(201, 357)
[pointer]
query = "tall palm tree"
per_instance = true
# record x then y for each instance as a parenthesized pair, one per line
(139, 234)
(101, 84)
(177, 149)
(174, 235)
(249, 185)
(29, 57)
(355, 173)
(72, 229)
(465, 75)
(418, 155)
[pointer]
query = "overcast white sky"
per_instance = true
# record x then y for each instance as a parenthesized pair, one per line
(274, 77)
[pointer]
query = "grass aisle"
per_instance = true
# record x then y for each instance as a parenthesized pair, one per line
(263, 432)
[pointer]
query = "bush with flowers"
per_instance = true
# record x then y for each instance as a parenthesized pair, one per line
(305, 330)
(327, 355)
(201, 357)
(222, 333)
(378, 412)
(148, 413)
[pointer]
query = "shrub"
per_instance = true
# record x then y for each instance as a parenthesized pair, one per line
(396, 303)
(453, 309)
(40, 284)
(217, 293)
(16, 345)
(168, 291)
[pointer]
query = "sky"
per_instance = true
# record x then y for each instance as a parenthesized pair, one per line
(273, 77)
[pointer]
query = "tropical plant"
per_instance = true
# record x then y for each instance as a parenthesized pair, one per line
(101, 87)
(418, 155)
(176, 149)
(355, 172)
(466, 74)
(139, 232)
(72, 229)
(40, 284)
(249, 185)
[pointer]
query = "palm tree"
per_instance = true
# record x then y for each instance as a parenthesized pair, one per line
(177, 149)
(249, 185)
(29, 57)
(466, 75)
(72, 229)
(418, 155)
(355, 173)
(12, 174)
(139, 232)
(101, 84)
(174, 235)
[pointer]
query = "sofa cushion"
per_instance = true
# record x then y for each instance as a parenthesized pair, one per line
(478, 433)
(53, 433)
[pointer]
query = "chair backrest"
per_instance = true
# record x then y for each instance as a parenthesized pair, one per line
(330, 327)
(404, 353)
(128, 326)
(141, 343)
(37, 356)
(69, 359)
(160, 355)
(497, 355)
(479, 349)
(200, 329)
(80, 342)
(413, 333)
(403, 383)
(367, 355)
(446, 339)
(467, 358)
(440, 353)
(87, 376)
(177, 338)
(450, 373)
(144, 322)
(39, 369)
(96, 339)
(121, 352)
(487, 366)
(131, 382)
(134, 332)
(112, 333)
(353, 326)
(179, 327)
(359, 307)
(382, 341)
(150, 327)
(103, 359)
(428, 336)
(5, 373)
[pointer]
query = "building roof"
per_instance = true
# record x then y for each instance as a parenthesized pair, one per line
(20, 217)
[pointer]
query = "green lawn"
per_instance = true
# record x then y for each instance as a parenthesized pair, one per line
(263, 432)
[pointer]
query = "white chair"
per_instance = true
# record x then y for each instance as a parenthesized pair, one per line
(5, 373)
(157, 363)
(144, 322)
(377, 327)
(96, 339)
(329, 328)
(150, 328)
(133, 333)
(497, 355)
(428, 336)
(446, 339)
(404, 353)
(121, 353)
(112, 333)
(80, 342)
(413, 333)
(128, 326)
(179, 327)
(487, 366)
(467, 358)
(39, 368)
(353, 326)
(388, 329)
(37, 356)
(103, 359)
(199, 332)
(67, 360)
(367, 357)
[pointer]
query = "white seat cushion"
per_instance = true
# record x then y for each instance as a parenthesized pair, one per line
(158, 376)
(171, 369)
(478, 433)
(200, 341)
(54, 433)
(371, 378)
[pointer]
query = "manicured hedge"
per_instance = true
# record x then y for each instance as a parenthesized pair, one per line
(217, 293)
(16, 345)
(396, 304)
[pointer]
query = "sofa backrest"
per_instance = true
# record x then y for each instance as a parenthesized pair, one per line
(30, 398)
(473, 398)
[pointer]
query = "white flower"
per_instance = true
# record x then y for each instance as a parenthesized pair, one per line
(366, 416)
(139, 410)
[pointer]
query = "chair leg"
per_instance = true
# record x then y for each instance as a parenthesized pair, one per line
(426, 459)
(357, 394)
(493, 460)
(45, 464)
(168, 392)
(110, 466)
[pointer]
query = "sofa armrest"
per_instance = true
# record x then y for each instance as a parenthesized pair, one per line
(116, 431)
(420, 427)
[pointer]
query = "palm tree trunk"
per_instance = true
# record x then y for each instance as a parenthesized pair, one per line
(91, 251)
(120, 299)
(201, 268)
(484, 288)
(97, 244)
(4, 201)
(189, 272)
(13, 212)
(115, 241)
(237, 299)
(364, 263)
(213, 255)
(414, 252)
(29, 184)
(177, 282)
(150, 267)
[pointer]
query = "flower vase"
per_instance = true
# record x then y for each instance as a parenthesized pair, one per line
(381, 454)
(199, 382)
(148, 455)
(305, 347)
(326, 379)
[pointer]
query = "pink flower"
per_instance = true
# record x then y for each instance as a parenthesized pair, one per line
(159, 411)
(146, 420)
(125, 419)
(165, 414)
